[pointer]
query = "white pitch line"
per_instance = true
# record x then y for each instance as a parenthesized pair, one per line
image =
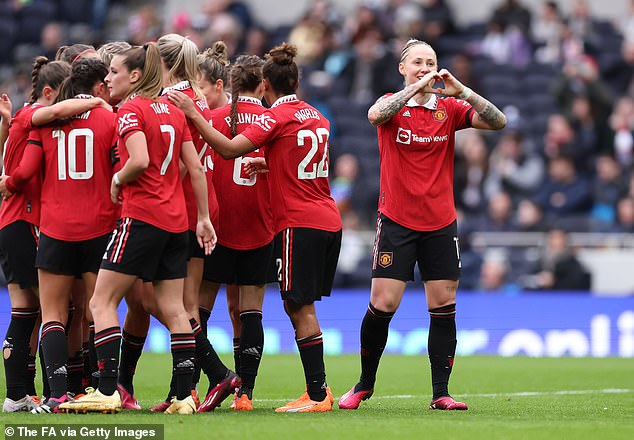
(518, 394)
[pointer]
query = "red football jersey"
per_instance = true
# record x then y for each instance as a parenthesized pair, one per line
(156, 196)
(205, 154)
(417, 162)
(23, 205)
(246, 219)
(296, 138)
(76, 203)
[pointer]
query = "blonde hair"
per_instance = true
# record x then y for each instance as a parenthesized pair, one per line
(180, 56)
(145, 58)
(411, 43)
(108, 50)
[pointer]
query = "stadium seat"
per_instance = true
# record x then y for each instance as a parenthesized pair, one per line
(500, 84)
(75, 11)
(8, 31)
(348, 125)
(32, 18)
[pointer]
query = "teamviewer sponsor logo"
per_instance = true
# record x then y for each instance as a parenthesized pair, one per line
(404, 136)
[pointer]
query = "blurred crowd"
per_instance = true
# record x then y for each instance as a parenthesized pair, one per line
(564, 79)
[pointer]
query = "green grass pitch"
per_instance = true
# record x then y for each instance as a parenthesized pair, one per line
(509, 398)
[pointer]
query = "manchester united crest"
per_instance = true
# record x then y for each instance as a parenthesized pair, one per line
(440, 114)
(385, 259)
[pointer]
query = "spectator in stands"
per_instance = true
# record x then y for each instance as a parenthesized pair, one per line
(564, 193)
(580, 76)
(558, 267)
(438, 20)
(144, 25)
(237, 9)
(408, 20)
(499, 214)
(620, 75)
(365, 18)
(621, 124)
(590, 133)
(346, 171)
(513, 13)
(51, 40)
(496, 44)
(462, 67)
(530, 217)
(583, 25)
(224, 27)
(495, 273)
(364, 76)
(470, 172)
(546, 32)
(353, 251)
(626, 23)
(624, 217)
(470, 259)
(607, 188)
(560, 139)
(256, 41)
(514, 167)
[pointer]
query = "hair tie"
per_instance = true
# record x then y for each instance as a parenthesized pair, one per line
(80, 54)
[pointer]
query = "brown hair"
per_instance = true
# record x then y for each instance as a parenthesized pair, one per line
(281, 70)
(108, 50)
(246, 75)
(47, 73)
(214, 63)
(70, 54)
(147, 59)
(84, 75)
(180, 56)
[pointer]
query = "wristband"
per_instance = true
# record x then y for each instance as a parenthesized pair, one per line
(466, 92)
(115, 177)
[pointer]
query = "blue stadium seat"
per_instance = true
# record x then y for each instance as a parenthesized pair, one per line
(8, 33)
(32, 18)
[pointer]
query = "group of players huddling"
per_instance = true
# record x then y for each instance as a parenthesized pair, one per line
(136, 173)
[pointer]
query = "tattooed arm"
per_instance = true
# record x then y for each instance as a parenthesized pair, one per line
(383, 110)
(487, 116)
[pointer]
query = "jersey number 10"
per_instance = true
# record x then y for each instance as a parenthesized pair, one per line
(69, 147)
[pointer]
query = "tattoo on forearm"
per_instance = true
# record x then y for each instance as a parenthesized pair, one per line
(384, 109)
(487, 111)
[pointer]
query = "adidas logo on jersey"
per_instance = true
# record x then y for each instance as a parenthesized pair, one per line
(61, 371)
(407, 114)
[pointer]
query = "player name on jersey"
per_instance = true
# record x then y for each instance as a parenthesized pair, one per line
(305, 114)
(160, 108)
(243, 118)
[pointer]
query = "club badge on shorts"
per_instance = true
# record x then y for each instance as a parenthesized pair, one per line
(385, 259)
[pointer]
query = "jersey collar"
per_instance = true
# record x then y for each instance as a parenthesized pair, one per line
(250, 99)
(431, 103)
(285, 99)
(183, 85)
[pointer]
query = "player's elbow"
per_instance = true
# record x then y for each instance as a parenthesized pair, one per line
(502, 121)
(228, 154)
(140, 164)
(373, 117)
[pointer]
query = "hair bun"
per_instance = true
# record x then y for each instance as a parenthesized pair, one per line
(218, 52)
(283, 54)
